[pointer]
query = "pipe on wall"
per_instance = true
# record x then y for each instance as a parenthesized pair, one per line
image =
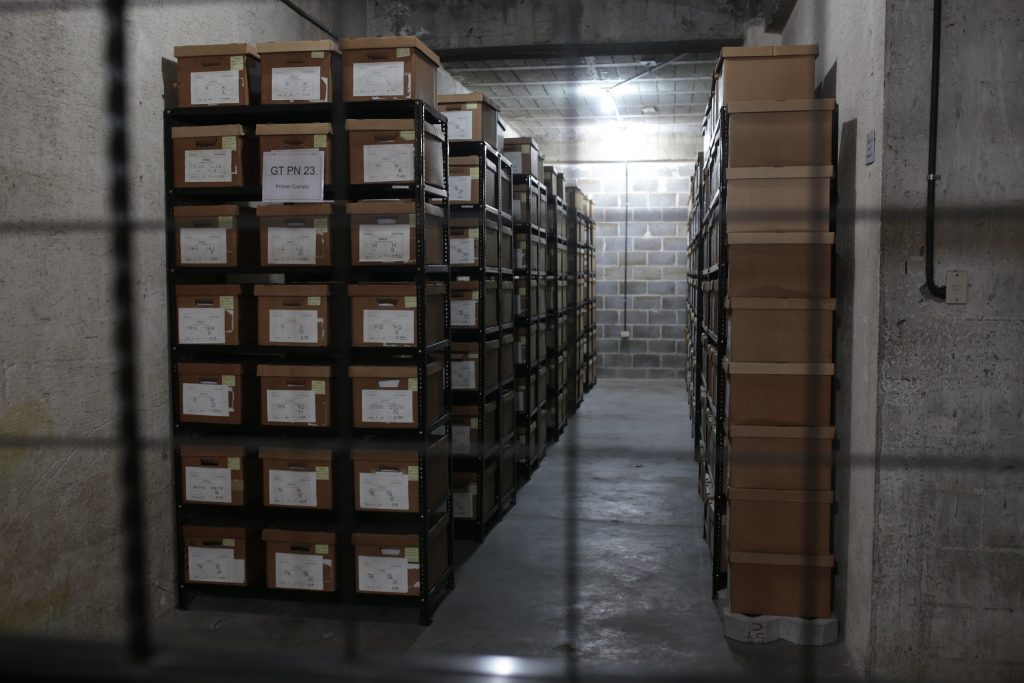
(933, 142)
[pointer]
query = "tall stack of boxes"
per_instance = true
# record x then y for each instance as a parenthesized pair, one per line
(557, 302)
(582, 327)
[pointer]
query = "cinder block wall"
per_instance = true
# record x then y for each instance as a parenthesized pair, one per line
(641, 266)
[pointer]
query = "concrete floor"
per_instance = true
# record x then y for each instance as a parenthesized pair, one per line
(643, 570)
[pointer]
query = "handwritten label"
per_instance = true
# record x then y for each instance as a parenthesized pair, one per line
(215, 565)
(208, 484)
(383, 574)
(301, 83)
(378, 79)
(203, 246)
(299, 572)
(291, 246)
(463, 374)
(292, 488)
(392, 406)
(201, 326)
(384, 490)
(289, 326)
(205, 400)
(293, 175)
(460, 188)
(207, 166)
(214, 87)
(389, 327)
(391, 163)
(291, 406)
(463, 251)
(384, 243)
(460, 125)
(463, 313)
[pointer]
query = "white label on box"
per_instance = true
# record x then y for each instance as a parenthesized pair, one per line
(201, 326)
(384, 490)
(290, 326)
(206, 400)
(291, 246)
(203, 245)
(460, 439)
(389, 327)
(384, 243)
(378, 79)
(215, 565)
(463, 313)
(289, 405)
(461, 188)
(387, 405)
(214, 87)
(463, 374)
(292, 487)
(383, 574)
(207, 165)
(301, 572)
(295, 83)
(391, 163)
(462, 506)
(208, 484)
(293, 175)
(460, 125)
(462, 251)
(517, 161)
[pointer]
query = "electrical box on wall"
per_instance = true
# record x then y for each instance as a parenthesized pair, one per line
(956, 287)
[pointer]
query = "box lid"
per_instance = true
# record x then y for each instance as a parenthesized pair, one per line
(312, 454)
(768, 106)
(772, 172)
(293, 129)
(781, 238)
(292, 290)
(766, 432)
(231, 529)
(214, 452)
(510, 143)
(314, 209)
(390, 371)
(388, 207)
(305, 536)
(208, 290)
(769, 51)
(298, 371)
(465, 411)
(781, 560)
(780, 496)
(465, 285)
(386, 42)
(464, 161)
(465, 347)
(299, 46)
(465, 98)
(779, 368)
(207, 131)
(212, 369)
(390, 289)
(215, 50)
(385, 456)
(385, 536)
(380, 124)
(749, 303)
(199, 211)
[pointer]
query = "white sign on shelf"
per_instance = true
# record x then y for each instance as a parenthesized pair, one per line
(201, 326)
(300, 572)
(208, 484)
(384, 243)
(387, 405)
(205, 400)
(215, 87)
(384, 490)
(389, 326)
(460, 188)
(208, 166)
(378, 79)
(389, 163)
(203, 246)
(293, 175)
(215, 565)
(291, 246)
(464, 313)
(292, 487)
(460, 125)
(383, 574)
(290, 405)
(293, 326)
(297, 83)
(464, 374)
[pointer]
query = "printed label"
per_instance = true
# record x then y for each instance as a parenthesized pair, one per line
(293, 175)
(378, 79)
(300, 572)
(215, 87)
(389, 327)
(387, 406)
(215, 565)
(460, 439)
(207, 166)
(383, 574)
(460, 125)
(463, 374)
(205, 400)
(384, 490)
(203, 245)
(201, 326)
(384, 243)
(462, 251)
(293, 488)
(460, 188)
(295, 83)
(463, 313)
(391, 163)
(288, 405)
(208, 484)
(291, 246)
(462, 506)
(290, 326)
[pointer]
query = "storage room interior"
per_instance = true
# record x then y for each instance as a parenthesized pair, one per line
(480, 339)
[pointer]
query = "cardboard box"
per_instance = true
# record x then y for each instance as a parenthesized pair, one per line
(297, 234)
(298, 478)
(506, 296)
(784, 199)
(208, 236)
(540, 385)
(213, 156)
(467, 307)
(388, 562)
(780, 521)
(386, 478)
(780, 72)
(294, 315)
(213, 393)
(779, 394)
(384, 314)
(781, 264)
(525, 156)
(782, 585)
(507, 255)
(276, 137)
(507, 469)
(387, 396)
(217, 75)
(508, 358)
(298, 71)
(467, 364)
(301, 559)
(780, 330)
(382, 152)
(465, 236)
(384, 232)
(526, 438)
(781, 133)
(470, 436)
(389, 68)
(295, 395)
(798, 458)
(227, 555)
(466, 187)
(217, 475)
(468, 492)
(213, 315)
(508, 414)
(472, 117)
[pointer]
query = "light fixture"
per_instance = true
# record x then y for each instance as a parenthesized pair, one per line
(605, 99)
(648, 110)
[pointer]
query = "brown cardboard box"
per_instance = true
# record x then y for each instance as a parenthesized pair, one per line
(387, 478)
(389, 562)
(507, 314)
(213, 156)
(298, 71)
(470, 436)
(217, 75)
(781, 133)
(780, 521)
(294, 315)
(783, 199)
(227, 555)
(301, 559)
(208, 236)
(467, 355)
(468, 491)
(387, 396)
(526, 437)
(540, 385)
(213, 393)
(781, 264)
(281, 136)
(471, 116)
(384, 314)
(507, 470)
(295, 395)
(508, 414)
(217, 475)
(464, 240)
(798, 458)
(466, 304)
(382, 152)
(466, 187)
(780, 330)
(779, 394)
(384, 233)
(525, 156)
(507, 255)
(508, 360)
(780, 72)
(297, 234)
(389, 68)
(298, 478)
(213, 314)
(783, 585)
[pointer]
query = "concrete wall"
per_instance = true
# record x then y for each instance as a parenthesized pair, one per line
(61, 569)
(651, 285)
